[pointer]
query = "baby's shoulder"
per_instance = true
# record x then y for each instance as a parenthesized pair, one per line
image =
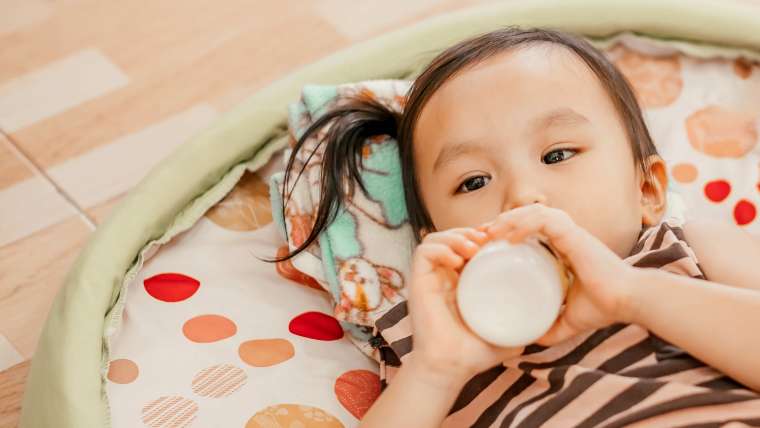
(726, 253)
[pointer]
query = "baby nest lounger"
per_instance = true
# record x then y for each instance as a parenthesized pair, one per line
(179, 249)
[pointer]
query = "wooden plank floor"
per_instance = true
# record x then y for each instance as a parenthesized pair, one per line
(93, 93)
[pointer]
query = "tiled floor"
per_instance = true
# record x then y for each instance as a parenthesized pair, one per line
(94, 93)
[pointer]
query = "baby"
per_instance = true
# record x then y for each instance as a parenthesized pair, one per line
(522, 132)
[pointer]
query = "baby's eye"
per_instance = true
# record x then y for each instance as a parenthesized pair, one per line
(473, 183)
(555, 156)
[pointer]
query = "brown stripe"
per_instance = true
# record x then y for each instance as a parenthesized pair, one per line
(475, 386)
(659, 258)
(402, 346)
(547, 410)
(488, 417)
(640, 243)
(534, 349)
(657, 243)
(666, 350)
(622, 402)
(579, 385)
(389, 357)
(663, 368)
(723, 383)
(631, 355)
(556, 380)
(392, 316)
(580, 351)
(577, 354)
(690, 401)
(678, 231)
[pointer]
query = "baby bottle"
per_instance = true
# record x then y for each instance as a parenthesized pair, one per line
(511, 294)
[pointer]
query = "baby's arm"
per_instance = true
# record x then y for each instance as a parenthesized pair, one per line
(417, 397)
(716, 321)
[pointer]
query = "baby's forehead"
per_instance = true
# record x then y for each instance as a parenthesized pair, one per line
(536, 64)
(533, 78)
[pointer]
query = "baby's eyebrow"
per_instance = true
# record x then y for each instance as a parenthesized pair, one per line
(452, 151)
(563, 116)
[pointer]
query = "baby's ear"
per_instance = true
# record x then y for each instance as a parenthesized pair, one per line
(654, 186)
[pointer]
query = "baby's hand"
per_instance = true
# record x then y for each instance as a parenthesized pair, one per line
(443, 345)
(602, 280)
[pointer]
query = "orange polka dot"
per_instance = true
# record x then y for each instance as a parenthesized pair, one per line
(684, 172)
(293, 415)
(656, 80)
(246, 207)
(266, 352)
(720, 132)
(208, 328)
(122, 371)
(742, 68)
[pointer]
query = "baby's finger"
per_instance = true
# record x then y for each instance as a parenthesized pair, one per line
(559, 331)
(475, 235)
(458, 241)
(439, 254)
(478, 236)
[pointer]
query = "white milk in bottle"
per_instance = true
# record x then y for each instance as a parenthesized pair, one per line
(511, 294)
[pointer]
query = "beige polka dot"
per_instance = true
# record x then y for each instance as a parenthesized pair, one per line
(684, 172)
(219, 381)
(122, 371)
(169, 411)
(293, 416)
(656, 80)
(246, 207)
(266, 352)
(721, 132)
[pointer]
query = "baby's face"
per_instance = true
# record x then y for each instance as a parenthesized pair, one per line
(528, 125)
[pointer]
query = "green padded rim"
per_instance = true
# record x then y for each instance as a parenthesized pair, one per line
(65, 385)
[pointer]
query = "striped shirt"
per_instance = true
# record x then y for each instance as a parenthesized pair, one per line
(620, 375)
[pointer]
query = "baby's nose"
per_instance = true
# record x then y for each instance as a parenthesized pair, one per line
(525, 199)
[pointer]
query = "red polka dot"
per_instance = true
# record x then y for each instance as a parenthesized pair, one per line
(316, 325)
(171, 287)
(744, 212)
(717, 190)
(357, 390)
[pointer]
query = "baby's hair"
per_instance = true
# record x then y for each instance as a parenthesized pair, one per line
(359, 118)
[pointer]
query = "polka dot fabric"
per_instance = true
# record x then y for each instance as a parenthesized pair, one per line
(211, 336)
(704, 116)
